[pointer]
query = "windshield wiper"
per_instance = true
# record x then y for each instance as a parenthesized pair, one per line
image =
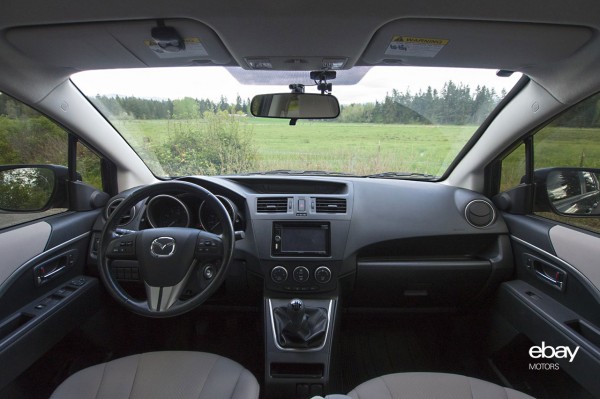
(402, 175)
(299, 172)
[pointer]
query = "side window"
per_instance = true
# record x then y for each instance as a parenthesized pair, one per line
(513, 168)
(88, 166)
(34, 164)
(571, 142)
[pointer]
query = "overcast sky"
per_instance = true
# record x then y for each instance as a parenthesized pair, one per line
(212, 82)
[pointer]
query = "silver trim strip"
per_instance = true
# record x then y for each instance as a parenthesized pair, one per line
(329, 326)
(593, 288)
(168, 295)
(17, 273)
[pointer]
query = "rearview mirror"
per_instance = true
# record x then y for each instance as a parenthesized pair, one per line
(295, 106)
(568, 191)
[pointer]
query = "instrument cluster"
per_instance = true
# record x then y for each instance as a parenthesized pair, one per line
(167, 210)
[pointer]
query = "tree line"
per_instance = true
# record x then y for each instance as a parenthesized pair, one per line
(185, 108)
(454, 104)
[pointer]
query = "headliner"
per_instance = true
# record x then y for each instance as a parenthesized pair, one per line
(554, 44)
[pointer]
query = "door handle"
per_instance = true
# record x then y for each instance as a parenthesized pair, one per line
(41, 279)
(52, 268)
(546, 272)
(552, 280)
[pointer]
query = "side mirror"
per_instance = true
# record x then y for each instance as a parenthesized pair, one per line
(568, 191)
(32, 188)
(295, 106)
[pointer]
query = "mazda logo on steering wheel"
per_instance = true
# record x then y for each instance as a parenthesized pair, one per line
(162, 247)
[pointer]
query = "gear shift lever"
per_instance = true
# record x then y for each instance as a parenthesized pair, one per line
(298, 326)
(296, 312)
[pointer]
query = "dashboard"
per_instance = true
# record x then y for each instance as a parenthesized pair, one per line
(382, 242)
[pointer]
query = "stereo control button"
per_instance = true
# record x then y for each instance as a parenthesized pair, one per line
(279, 274)
(323, 274)
(301, 274)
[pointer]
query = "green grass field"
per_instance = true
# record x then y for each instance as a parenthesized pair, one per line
(355, 148)
(370, 148)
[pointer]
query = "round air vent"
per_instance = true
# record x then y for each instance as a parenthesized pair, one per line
(126, 218)
(480, 213)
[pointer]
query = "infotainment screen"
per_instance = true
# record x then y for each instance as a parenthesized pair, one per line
(301, 239)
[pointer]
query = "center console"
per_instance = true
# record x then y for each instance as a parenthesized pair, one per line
(301, 270)
(300, 240)
(300, 275)
(298, 366)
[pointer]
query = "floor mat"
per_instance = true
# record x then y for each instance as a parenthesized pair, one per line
(372, 346)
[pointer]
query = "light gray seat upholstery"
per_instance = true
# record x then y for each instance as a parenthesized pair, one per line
(432, 386)
(173, 375)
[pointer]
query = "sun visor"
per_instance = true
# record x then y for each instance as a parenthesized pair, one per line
(479, 44)
(124, 44)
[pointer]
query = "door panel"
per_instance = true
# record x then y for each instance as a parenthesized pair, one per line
(69, 232)
(531, 236)
(565, 314)
(36, 312)
(543, 319)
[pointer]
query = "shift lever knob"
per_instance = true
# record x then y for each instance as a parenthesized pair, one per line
(296, 305)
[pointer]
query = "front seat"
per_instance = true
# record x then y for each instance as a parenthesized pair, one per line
(177, 375)
(430, 386)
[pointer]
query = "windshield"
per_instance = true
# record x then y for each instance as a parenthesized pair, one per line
(403, 122)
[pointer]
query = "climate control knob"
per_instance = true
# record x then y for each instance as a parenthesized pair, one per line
(323, 274)
(279, 274)
(301, 274)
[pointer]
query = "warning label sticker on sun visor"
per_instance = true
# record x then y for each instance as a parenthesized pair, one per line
(409, 46)
(193, 48)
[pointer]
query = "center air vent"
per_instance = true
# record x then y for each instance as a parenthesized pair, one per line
(272, 205)
(126, 218)
(480, 213)
(331, 205)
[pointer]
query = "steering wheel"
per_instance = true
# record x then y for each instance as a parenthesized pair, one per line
(167, 256)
